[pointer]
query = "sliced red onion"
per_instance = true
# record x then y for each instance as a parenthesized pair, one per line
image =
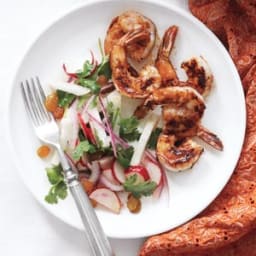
(69, 74)
(114, 187)
(95, 169)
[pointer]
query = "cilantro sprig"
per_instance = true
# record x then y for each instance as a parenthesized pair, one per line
(124, 155)
(138, 189)
(64, 98)
(83, 147)
(58, 189)
(128, 128)
(153, 138)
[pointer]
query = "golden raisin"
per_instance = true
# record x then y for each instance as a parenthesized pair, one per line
(51, 102)
(133, 204)
(93, 202)
(58, 112)
(102, 80)
(87, 185)
(43, 151)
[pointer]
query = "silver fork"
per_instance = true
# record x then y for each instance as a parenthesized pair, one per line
(47, 131)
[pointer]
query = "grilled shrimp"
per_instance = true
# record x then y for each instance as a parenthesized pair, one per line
(197, 69)
(182, 108)
(126, 79)
(199, 77)
(127, 22)
(177, 155)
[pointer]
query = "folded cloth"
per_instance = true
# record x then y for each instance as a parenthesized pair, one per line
(232, 215)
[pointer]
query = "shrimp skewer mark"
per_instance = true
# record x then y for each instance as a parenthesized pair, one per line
(125, 23)
(129, 82)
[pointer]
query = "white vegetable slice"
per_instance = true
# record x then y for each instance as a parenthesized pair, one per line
(70, 88)
(151, 122)
(96, 128)
(69, 128)
(106, 198)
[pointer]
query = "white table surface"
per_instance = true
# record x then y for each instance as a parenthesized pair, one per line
(25, 227)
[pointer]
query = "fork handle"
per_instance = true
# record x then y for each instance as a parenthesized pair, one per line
(98, 241)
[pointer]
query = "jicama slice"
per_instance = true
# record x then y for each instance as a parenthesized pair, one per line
(70, 88)
(69, 128)
(150, 124)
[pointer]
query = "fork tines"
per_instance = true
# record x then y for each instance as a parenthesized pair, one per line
(34, 99)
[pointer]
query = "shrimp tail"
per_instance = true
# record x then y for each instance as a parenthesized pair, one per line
(163, 64)
(210, 138)
(168, 42)
(133, 37)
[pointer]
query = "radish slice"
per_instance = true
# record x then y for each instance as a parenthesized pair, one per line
(112, 186)
(95, 169)
(118, 172)
(154, 171)
(107, 198)
(140, 171)
(109, 175)
(151, 122)
(72, 88)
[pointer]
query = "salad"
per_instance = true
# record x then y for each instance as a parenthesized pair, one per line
(112, 150)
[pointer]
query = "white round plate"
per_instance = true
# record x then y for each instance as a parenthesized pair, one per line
(71, 38)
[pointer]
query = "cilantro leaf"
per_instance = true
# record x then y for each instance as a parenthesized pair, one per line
(64, 98)
(87, 69)
(54, 174)
(139, 189)
(51, 198)
(58, 189)
(104, 68)
(90, 84)
(153, 138)
(83, 147)
(61, 190)
(128, 128)
(124, 155)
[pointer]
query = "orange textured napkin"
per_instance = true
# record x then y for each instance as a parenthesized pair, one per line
(227, 226)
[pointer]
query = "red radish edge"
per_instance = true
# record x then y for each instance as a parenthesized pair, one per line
(118, 172)
(141, 170)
